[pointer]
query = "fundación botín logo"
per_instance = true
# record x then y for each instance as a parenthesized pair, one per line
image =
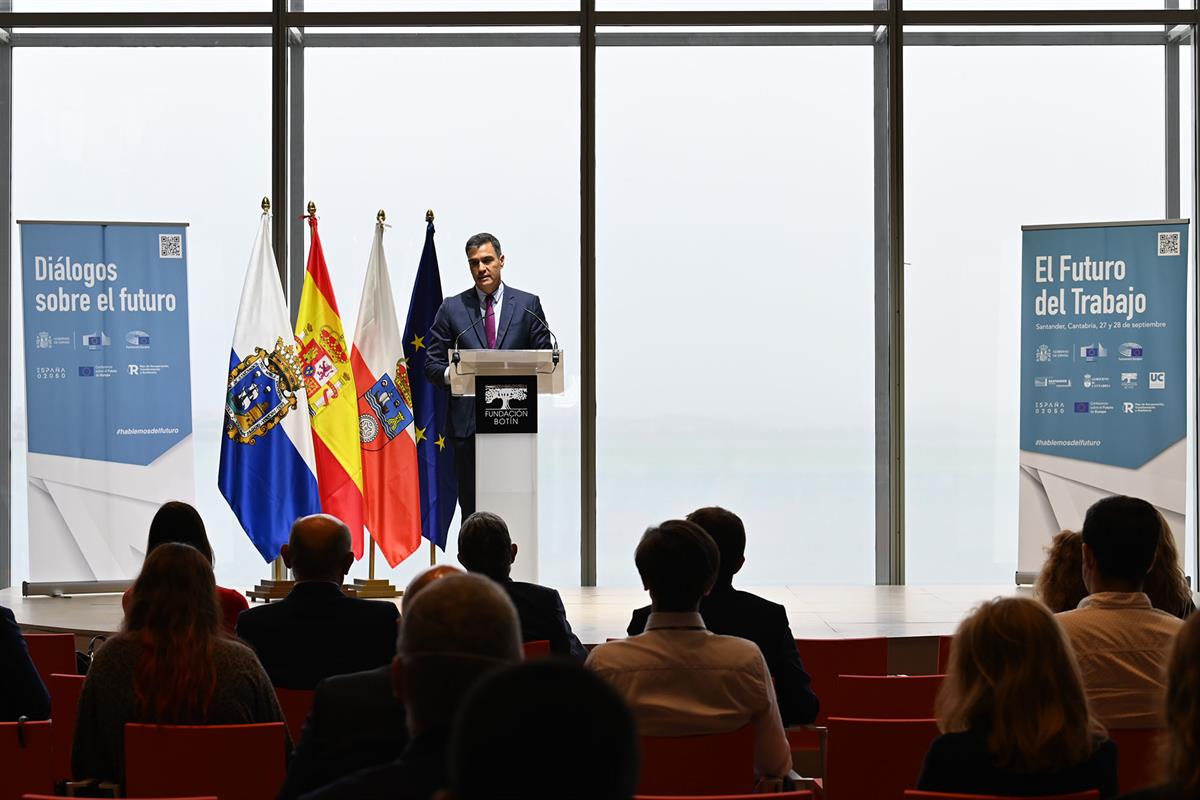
(506, 395)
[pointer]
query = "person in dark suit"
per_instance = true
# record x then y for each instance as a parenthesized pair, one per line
(317, 631)
(730, 612)
(356, 720)
(484, 546)
(455, 633)
(491, 315)
(22, 693)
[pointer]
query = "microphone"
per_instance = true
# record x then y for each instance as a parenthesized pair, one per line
(455, 357)
(554, 352)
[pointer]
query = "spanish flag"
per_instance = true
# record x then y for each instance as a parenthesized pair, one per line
(332, 398)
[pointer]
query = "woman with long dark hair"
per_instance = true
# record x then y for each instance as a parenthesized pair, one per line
(170, 664)
(177, 521)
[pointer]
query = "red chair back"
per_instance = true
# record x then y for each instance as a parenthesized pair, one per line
(537, 649)
(295, 703)
(804, 795)
(718, 763)
(64, 706)
(944, 653)
(875, 759)
(233, 762)
(51, 653)
(886, 696)
(56, 797)
(825, 659)
(1138, 761)
(912, 794)
(24, 759)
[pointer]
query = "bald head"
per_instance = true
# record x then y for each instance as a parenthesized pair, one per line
(423, 579)
(319, 549)
(456, 630)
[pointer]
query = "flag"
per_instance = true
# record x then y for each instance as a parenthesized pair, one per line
(332, 399)
(267, 471)
(391, 482)
(435, 457)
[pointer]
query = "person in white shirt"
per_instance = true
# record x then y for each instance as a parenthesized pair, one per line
(679, 678)
(1120, 640)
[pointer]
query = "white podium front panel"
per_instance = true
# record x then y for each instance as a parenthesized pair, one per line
(506, 484)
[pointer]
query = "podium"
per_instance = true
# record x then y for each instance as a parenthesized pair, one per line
(505, 385)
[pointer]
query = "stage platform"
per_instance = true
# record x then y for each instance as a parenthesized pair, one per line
(913, 616)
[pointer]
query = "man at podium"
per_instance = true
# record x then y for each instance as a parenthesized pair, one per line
(491, 315)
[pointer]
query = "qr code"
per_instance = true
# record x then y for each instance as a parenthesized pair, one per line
(1168, 244)
(170, 245)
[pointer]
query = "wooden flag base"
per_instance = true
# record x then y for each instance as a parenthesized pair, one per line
(375, 588)
(270, 590)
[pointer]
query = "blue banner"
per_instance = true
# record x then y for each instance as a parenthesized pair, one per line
(107, 366)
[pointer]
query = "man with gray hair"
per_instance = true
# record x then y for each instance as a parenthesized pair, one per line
(457, 631)
(317, 631)
(485, 547)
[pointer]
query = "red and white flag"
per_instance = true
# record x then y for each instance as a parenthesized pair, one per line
(391, 481)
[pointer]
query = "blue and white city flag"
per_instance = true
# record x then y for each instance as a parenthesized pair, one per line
(268, 472)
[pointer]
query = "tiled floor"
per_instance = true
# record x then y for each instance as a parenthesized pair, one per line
(601, 613)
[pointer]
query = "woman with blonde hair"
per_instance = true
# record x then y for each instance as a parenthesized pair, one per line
(1166, 585)
(1012, 711)
(1182, 750)
(1060, 583)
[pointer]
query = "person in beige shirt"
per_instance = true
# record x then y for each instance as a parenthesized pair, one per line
(1119, 639)
(679, 678)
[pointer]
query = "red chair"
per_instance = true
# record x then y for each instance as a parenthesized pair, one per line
(25, 759)
(913, 794)
(886, 696)
(64, 706)
(824, 660)
(875, 759)
(804, 795)
(1138, 762)
(233, 762)
(537, 648)
(56, 797)
(944, 653)
(295, 703)
(719, 763)
(51, 653)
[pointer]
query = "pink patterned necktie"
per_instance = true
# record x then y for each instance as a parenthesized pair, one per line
(490, 324)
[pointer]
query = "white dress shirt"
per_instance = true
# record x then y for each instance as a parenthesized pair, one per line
(680, 679)
(1122, 644)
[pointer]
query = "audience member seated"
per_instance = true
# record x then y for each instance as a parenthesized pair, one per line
(317, 631)
(1012, 711)
(484, 546)
(731, 612)
(1060, 583)
(679, 678)
(171, 663)
(458, 630)
(356, 720)
(543, 730)
(1166, 585)
(179, 522)
(1182, 738)
(1120, 640)
(22, 693)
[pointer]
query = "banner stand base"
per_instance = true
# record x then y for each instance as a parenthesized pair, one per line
(375, 588)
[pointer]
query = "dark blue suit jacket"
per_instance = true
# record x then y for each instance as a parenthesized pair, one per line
(22, 693)
(516, 330)
(542, 616)
(316, 632)
(730, 612)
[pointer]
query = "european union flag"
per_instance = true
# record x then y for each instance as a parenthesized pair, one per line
(435, 457)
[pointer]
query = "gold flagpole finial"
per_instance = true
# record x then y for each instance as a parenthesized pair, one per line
(266, 205)
(429, 215)
(312, 208)
(381, 216)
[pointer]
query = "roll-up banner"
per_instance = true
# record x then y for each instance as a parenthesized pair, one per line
(108, 391)
(1104, 341)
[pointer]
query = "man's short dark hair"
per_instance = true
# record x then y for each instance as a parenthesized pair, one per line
(678, 563)
(727, 530)
(1122, 533)
(480, 239)
(544, 729)
(484, 545)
